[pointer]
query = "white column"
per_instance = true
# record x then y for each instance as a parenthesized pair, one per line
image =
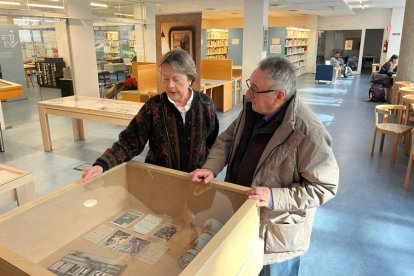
(139, 47)
(149, 38)
(255, 22)
(361, 52)
(394, 43)
(82, 48)
(312, 44)
(62, 41)
(406, 61)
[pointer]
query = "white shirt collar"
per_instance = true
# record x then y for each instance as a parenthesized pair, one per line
(188, 105)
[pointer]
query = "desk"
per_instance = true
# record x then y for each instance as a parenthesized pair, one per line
(15, 185)
(222, 93)
(138, 96)
(84, 108)
(27, 70)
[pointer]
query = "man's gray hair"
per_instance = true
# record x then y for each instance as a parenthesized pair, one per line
(181, 62)
(281, 74)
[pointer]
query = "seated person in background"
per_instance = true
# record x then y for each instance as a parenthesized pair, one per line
(337, 61)
(179, 124)
(390, 67)
(133, 57)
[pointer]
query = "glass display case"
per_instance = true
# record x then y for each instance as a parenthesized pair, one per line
(135, 219)
(10, 89)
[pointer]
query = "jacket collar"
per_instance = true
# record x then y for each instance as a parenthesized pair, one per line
(283, 131)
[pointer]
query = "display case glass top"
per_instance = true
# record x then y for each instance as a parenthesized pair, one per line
(141, 219)
(94, 104)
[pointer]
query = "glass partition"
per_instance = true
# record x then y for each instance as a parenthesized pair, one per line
(346, 42)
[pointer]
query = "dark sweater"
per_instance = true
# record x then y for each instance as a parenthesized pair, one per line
(172, 144)
(256, 135)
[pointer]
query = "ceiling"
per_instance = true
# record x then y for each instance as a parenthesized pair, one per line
(220, 9)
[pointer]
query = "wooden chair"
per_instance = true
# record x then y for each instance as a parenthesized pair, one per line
(395, 99)
(385, 127)
(404, 91)
(207, 89)
(237, 82)
(375, 68)
(399, 85)
(410, 163)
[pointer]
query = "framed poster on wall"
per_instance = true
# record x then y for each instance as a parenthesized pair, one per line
(348, 44)
(182, 37)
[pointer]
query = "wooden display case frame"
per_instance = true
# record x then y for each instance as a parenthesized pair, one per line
(236, 249)
(16, 186)
(10, 89)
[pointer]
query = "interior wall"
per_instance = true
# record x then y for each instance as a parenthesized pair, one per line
(294, 21)
(394, 41)
(366, 19)
(373, 43)
(236, 49)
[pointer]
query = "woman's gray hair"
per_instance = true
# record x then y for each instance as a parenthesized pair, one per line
(281, 74)
(181, 62)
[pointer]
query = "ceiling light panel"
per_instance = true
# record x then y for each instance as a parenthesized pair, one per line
(9, 3)
(45, 6)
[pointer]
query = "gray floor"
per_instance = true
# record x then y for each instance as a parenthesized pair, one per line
(368, 229)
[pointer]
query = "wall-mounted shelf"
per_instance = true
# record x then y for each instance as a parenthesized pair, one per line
(217, 43)
(296, 48)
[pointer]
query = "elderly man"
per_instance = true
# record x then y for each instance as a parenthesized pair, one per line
(278, 147)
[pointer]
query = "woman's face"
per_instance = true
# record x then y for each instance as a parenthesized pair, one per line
(395, 61)
(175, 84)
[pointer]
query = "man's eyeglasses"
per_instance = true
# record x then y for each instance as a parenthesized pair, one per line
(254, 92)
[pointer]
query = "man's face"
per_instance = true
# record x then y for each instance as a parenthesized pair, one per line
(263, 103)
(337, 55)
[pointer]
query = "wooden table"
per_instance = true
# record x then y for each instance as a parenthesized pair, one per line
(81, 108)
(15, 185)
(27, 69)
(222, 93)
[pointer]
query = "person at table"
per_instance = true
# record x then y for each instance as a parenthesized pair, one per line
(338, 62)
(281, 150)
(390, 67)
(179, 124)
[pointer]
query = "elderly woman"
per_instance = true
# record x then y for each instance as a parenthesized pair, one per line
(180, 124)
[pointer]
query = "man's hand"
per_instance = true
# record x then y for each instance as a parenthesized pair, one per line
(262, 194)
(91, 172)
(202, 175)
